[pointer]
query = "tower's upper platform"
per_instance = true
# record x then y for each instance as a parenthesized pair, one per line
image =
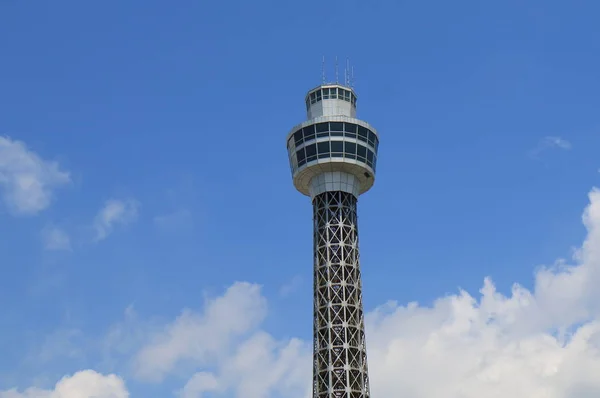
(331, 100)
(332, 150)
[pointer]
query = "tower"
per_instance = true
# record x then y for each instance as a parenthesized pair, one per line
(333, 156)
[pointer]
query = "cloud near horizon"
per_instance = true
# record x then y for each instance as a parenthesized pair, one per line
(542, 342)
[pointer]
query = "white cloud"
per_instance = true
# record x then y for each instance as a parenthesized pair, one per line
(114, 212)
(550, 142)
(202, 337)
(27, 182)
(84, 384)
(538, 343)
(55, 238)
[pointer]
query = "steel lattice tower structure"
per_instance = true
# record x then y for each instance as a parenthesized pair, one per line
(333, 156)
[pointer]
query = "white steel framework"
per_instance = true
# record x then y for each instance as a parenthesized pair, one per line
(340, 355)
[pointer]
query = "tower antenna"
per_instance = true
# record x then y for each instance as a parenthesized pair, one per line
(352, 78)
(323, 70)
(347, 73)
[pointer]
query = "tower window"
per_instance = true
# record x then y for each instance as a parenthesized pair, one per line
(350, 149)
(298, 137)
(337, 148)
(309, 132)
(301, 157)
(362, 133)
(362, 152)
(336, 126)
(311, 151)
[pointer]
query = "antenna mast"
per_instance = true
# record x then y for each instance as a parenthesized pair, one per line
(323, 71)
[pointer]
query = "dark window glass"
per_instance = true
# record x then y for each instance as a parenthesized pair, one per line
(298, 137)
(374, 163)
(336, 126)
(323, 147)
(309, 132)
(302, 163)
(311, 150)
(319, 95)
(337, 134)
(376, 144)
(322, 127)
(307, 104)
(362, 133)
(369, 156)
(325, 93)
(350, 149)
(333, 93)
(362, 152)
(347, 95)
(372, 138)
(300, 155)
(337, 146)
(351, 128)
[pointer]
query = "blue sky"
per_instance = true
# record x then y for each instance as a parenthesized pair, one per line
(143, 167)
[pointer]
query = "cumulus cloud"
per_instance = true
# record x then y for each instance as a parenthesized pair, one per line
(27, 182)
(84, 384)
(55, 238)
(202, 337)
(113, 213)
(542, 342)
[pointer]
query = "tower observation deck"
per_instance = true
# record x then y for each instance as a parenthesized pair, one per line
(333, 158)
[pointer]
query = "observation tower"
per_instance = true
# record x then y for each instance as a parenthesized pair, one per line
(333, 157)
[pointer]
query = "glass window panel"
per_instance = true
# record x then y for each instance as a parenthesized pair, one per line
(350, 127)
(321, 127)
(362, 151)
(323, 147)
(362, 133)
(337, 134)
(311, 150)
(298, 137)
(369, 162)
(337, 146)
(302, 163)
(369, 156)
(374, 163)
(319, 95)
(313, 96)
(371, 138)
(350, 148)
(325, 93)
(336, 126)
(376, 144)
(300, 155)
(309, 132)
